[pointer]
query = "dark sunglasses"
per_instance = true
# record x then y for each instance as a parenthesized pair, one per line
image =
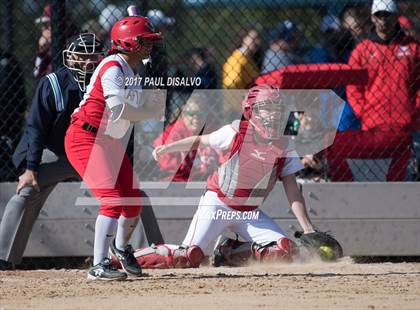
(198, 114)
(383, 14)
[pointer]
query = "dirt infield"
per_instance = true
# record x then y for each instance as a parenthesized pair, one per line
(342, 285)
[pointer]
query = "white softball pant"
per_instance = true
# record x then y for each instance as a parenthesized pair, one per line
(213, 217)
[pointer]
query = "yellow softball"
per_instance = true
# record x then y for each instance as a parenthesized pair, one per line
(327, 252)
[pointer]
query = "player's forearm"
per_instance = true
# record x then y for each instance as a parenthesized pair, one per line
(299, 210)
(134, 114)
(297, 202)
(187, 144)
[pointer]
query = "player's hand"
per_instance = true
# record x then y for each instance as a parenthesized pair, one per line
(28, 178)
(158, 151)
(44, 41)
(312, 162)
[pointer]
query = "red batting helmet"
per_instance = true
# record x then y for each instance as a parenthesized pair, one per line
(262, 107)
(127, 34)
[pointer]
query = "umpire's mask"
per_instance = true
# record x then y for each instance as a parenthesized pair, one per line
(82, 55)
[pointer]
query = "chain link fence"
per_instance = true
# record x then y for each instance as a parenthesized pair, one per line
(228, 45)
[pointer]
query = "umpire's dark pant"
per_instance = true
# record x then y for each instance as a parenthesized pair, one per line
(23, 209)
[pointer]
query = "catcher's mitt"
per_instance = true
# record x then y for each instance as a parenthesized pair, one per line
(322, 244)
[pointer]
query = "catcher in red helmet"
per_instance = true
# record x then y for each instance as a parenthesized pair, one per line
(95, 149)
(255, 157)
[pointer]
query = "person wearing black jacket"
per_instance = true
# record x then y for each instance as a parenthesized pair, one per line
(40, 151)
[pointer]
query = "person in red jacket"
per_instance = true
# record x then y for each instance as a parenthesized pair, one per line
(386, 105)
(195, 165)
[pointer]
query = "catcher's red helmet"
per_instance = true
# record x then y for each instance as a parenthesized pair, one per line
(262, 107)
(127, 34)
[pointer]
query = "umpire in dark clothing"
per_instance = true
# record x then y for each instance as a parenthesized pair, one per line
(41, 150)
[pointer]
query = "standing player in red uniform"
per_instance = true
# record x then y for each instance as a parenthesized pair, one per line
(95, 149)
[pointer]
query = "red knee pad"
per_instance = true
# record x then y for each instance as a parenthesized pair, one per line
(284, 250)
(188, 257)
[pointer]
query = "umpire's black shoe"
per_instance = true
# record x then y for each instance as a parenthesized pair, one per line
(106, 272)
(5, 265)
(126, 258)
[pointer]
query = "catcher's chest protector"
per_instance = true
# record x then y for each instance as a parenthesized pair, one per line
(248, 172)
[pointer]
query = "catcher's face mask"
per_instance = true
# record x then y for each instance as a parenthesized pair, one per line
(267, 119)
(82, 56)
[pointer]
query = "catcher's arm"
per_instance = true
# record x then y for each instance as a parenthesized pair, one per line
(297, 202)
(187, 144)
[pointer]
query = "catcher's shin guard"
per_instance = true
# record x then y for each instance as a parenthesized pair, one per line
(187, 257)
(165, 256)
(230, 252)
(284, 250)
(155, 257)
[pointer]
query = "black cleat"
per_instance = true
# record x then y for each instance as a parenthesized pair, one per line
(127, 259)
(104, 271)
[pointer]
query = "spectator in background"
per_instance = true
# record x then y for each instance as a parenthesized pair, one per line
(156, 66)
(386, 105)
(160, 20)
(158, 62)
(284, 46)
(355, 19)
(101, 26)
(93, 26)
(388, 99)
(202, 68)
(108, 17)
(198, 163)
(12, 112)
(198, 65)
(241, 68)
(336, 43)
(336, 46)
(326, 51)
(410, 28)
(43, 60)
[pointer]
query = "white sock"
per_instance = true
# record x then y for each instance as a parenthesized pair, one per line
(104, 233)
(125, 229)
